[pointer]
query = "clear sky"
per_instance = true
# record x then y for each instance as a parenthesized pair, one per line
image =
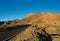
(18, 9)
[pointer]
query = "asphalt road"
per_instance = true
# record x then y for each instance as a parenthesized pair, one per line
(9, 33)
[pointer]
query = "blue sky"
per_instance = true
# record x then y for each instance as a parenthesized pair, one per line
(18, 9)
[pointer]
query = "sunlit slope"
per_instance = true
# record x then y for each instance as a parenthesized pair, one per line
(42, 23)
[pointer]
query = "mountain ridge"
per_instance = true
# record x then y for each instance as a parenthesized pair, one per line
(43, 25)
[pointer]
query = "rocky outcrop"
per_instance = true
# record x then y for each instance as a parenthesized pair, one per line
(45, 26)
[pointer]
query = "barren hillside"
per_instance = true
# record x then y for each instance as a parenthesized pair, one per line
(45, 26)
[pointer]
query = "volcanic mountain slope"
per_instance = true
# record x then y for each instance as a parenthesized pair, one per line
(45, 26)
(45, 23)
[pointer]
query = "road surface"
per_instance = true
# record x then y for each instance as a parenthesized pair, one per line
(7, 34)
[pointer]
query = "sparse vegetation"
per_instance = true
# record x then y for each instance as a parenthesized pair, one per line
(43, 25)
